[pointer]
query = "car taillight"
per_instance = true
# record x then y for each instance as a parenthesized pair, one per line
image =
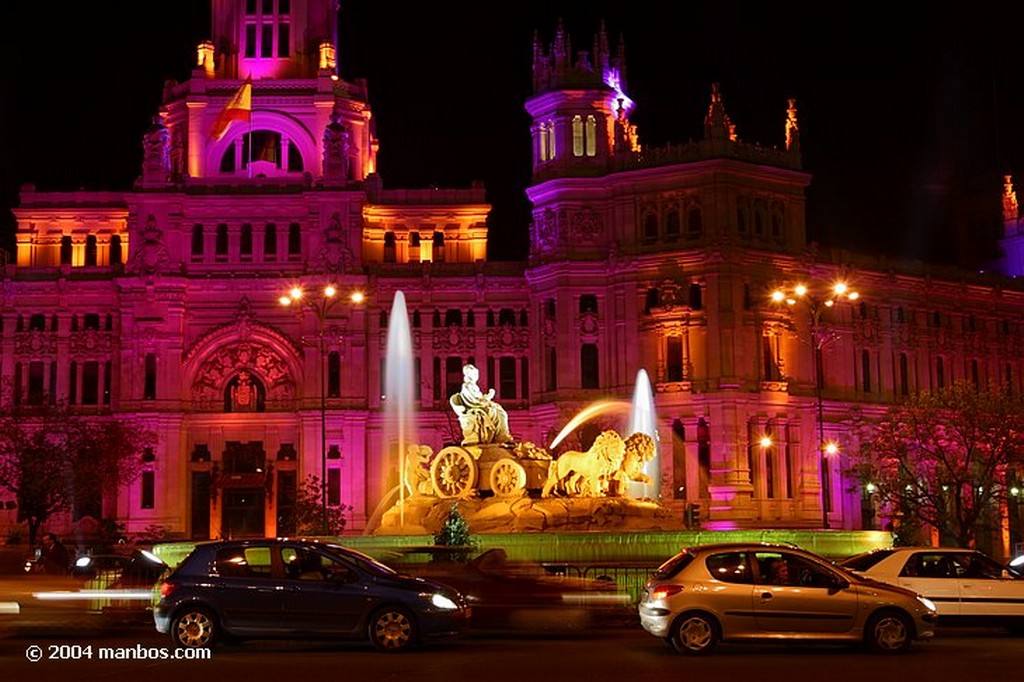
(166, 587)
(665, 591)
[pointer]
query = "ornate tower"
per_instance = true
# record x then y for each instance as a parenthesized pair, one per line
(579, 108)
(270, 75)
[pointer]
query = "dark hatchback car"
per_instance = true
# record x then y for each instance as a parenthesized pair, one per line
(301, 589)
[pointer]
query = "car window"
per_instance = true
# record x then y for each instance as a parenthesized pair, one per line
(672, 566)
(862, 562)
(729, 567)
(927, 565)
(975, 565)
(243, 562)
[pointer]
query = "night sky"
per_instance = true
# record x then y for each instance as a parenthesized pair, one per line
(898, 118)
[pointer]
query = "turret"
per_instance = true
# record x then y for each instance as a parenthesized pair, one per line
(579, 108)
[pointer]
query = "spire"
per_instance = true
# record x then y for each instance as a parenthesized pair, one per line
(792, 128)
(717, 125)
(601, 55)
(1010, 210)
(560, 48)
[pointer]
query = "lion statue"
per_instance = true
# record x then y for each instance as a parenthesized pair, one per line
(639, 450)
(586, 474)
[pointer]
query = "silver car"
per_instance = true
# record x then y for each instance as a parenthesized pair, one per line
(758, 592)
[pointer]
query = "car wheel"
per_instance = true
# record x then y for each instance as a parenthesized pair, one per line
(888, 632)
(392, 630)
(194, 627)
(695, 634)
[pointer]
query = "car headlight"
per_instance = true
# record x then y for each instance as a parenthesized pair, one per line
(443, 602)
(928, 603)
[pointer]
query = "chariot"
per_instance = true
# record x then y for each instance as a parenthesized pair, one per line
(460, 470)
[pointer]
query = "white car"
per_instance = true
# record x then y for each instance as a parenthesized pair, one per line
(968, 587)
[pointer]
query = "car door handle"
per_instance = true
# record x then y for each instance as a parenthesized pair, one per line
(766, 596)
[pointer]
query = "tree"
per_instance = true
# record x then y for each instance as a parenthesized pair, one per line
(454, 533)
(307, 514)
(945, 458)
(52, 459)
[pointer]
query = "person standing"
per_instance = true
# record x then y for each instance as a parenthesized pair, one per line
(54, 557)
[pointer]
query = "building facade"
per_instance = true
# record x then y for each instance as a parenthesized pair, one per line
(162, 302)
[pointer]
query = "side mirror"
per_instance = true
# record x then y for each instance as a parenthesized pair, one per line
(839, 583)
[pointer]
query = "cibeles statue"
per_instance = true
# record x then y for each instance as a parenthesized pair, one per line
(483, 421)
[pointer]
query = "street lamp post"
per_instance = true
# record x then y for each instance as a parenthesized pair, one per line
(816, 305)
(320, 305)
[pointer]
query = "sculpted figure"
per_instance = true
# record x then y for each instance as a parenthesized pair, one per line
(639, 449)
(586, 474)
(417, 470)
(482, 420)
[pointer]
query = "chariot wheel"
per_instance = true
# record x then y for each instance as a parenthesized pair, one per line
(453, 472)
(507, 476)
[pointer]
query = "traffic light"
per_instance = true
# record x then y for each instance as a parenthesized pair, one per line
(692, 515)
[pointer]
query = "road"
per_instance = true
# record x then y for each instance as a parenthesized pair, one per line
(610, 654)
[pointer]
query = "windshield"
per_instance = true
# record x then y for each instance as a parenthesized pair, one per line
(365, 561)
(863, 562)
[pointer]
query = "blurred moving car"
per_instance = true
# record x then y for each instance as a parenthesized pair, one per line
(740, 592)
(265, 588)
(520, 596)
(105, 591)
(967, 586)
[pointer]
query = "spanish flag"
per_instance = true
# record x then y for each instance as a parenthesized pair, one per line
(239, 108)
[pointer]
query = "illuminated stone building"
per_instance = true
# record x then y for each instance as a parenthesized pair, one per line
(162, 301)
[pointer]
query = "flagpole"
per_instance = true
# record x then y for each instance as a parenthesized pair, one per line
(248, 166)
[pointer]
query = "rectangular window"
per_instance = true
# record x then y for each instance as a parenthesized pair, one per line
(197, 242)
(220, 249)
(865, 371)
(333, 374)
(294, 242)
(270, 241)
(904, 375)
(940, 373)
(507, 378)
(437, 379)
(149, 390)
(107, 377)
(524, 382)
(245, 242)
(250, 40)
(90, 383)
(589, 376)
(453, 375)
(53, 382)
(267, 40)
(91, 250)
(283, 38)
(334, 487)
(148, 492)
(73, 383)
(36, 371)
(674, 364)
(551, 369)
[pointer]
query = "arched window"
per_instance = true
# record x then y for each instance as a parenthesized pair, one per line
(294, 241)
(672, 225)
(650, 233)
(220, 248)
(577, 136)
(546, 141)
(506, 316)
(389, 247)
(453, 317)
(333, 374)
(590, 133)
(245, 242)
(694, 223)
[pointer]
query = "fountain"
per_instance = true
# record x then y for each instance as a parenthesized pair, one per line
(642, 419)
(505, 485)
(399, 403)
